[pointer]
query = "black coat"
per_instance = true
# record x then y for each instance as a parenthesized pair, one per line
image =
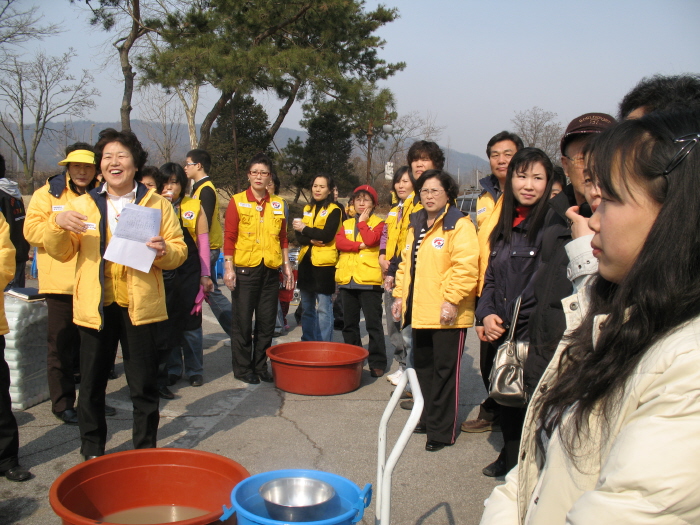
(508, 273)
(542, 298)
(13, 209)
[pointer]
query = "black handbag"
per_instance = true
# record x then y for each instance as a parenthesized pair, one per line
(507, 385)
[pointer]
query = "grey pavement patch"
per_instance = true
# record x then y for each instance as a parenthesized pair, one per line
(199, 425)
(316, 446)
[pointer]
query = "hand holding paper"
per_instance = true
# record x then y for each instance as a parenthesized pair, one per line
(136, 241)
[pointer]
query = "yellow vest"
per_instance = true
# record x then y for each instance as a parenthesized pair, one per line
(397, 231)
(189, 213)
(320, 255)
(216, 235)
(363, 266)
(258, 237)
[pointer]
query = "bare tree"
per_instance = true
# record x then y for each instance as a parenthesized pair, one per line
(32, 94)
(538, 128)
(18, 26)
(407, 129)
(163, 116)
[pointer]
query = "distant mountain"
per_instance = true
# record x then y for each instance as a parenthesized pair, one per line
(50, 151)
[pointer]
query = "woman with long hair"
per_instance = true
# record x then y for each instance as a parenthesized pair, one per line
(611, 432)
(315, 233)
(515, 243)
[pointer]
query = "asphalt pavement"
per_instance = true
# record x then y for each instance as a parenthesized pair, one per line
(264, 429)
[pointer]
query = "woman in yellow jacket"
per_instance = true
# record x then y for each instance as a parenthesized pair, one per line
(111, 301)
(9, 433)
(360, 278)
(392, 243)
(436, 293)
(315, 232)
(56, 278)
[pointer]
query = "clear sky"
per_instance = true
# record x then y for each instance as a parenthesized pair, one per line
(473, 64)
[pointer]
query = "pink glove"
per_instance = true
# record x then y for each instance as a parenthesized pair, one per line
(198, 301)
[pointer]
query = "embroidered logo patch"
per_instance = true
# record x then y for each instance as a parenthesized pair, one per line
(276, 205)
(307, 214)
(480, 211)
(188, 215)
(56, 208)
(438, 242)
(392, 214)
(245, 205)
(323, 213)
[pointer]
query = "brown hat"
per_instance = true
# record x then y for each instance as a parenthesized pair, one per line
(587, 123)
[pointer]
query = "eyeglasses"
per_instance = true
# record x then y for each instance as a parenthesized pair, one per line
(689, 142)
(259, 173)
(577, 161)
(432, 192)
(191, 164)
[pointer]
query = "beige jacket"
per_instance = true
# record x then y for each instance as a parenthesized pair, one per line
(646, 470)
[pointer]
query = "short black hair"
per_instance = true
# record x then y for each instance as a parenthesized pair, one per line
(276, 181)
(260, 158)
(166, 171)
(446, 181)
(2, 167)
(148, 171)
(200, 156)
(424, 148)
(662, 93)
(559, 176)
(128, 139)
(79, 145)
(500, 137)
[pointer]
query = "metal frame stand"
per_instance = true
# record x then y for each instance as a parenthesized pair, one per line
(385, 466)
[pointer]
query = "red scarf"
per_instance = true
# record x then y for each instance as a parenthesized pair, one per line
(521, 213)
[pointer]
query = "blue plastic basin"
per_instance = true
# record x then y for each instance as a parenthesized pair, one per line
(347, 506)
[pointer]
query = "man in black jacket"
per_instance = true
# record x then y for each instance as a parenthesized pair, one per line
(12, 207)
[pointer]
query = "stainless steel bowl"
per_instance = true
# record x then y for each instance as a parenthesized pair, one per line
(297, 499)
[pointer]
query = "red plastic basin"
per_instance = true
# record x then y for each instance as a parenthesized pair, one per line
(144, 478)
(314, 368)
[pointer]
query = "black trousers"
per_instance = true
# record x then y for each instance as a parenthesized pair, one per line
(9, 433)
(140, 368)
(370, 301)
(512, 420)
(62, 338)
(256, 293)
(437, 355)
(489, 409)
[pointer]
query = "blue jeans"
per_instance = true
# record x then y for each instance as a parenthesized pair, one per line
(316, 323)
(193, 352)
(220, 305)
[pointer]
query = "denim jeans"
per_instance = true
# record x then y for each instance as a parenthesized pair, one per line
(192, 351)
(220, 305)
(316, 323)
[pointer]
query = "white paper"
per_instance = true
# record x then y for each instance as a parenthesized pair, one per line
(136, 226)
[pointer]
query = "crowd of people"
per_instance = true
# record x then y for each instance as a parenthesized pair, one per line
(600, 257)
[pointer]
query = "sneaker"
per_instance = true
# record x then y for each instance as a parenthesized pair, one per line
(227, 342)
(475, 426)
(395, 377)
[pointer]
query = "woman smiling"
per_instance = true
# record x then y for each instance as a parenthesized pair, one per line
(113, 302)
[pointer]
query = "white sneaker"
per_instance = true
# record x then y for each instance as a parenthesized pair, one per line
(394, 378)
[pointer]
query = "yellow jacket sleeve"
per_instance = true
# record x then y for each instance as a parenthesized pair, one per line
(37, 218)
(60, 244)
(175, 247)
(7, 254)
(403, 267)
(464, 253)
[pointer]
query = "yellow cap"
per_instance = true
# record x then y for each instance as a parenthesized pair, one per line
(79, 155)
